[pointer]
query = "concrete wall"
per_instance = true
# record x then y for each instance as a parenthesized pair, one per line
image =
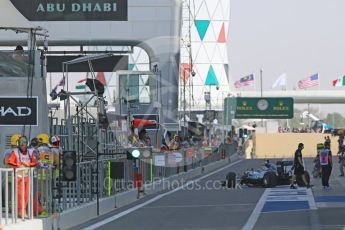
(282, 145)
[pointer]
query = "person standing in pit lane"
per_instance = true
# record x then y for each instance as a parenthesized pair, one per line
(299, 168)
(326, 165)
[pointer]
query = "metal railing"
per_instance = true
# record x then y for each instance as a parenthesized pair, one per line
(47, 192)
(17, 196)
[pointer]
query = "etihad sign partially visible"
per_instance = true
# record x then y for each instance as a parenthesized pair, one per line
(73, 10)
(19, 111)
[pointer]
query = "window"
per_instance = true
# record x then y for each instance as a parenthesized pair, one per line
(139, 88)
(14, 63)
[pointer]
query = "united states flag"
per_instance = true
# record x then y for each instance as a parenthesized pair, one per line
(245, 81)
(309, 82)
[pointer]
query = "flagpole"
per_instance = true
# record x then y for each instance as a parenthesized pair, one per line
(51, 84)
(261, 82)
(261, 93)
(319, 88)
(284, 88)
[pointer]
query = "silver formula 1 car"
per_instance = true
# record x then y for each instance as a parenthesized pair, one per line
(269, 175)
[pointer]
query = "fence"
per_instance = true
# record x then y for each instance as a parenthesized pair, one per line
(48, 192)
(16, 191)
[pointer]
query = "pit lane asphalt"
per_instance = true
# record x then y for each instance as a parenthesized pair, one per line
(202, 207)
(198, 207)
(328, 216)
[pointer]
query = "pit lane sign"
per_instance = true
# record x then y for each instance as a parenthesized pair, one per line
(264, 108)
(15, 111)
(73, 10)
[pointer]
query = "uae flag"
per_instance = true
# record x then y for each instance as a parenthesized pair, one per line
(339, 82)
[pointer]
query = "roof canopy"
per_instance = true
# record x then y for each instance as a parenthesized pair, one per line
(10, 17)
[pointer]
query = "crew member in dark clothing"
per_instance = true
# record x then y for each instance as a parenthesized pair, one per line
(328, 141)
(299, 167)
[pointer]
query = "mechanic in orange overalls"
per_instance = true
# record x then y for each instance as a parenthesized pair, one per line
(22, 158)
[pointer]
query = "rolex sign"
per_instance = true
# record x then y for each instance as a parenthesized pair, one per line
(73, 10)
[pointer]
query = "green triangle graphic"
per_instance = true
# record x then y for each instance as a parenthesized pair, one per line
(202, 26)
(131, 66)
(211, 77)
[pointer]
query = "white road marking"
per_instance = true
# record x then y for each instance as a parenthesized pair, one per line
(274, 195)
(200, 206)
(128, 211)
(257, 211)
(311, 200)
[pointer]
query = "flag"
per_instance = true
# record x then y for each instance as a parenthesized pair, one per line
(245, 81)
(339, 82)
(80, 87)
(309, 81)
(281, 81)
(62, 81)
(82, 80)
(101, 78)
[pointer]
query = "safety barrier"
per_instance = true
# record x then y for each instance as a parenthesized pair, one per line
(48, 193)
(17, 195)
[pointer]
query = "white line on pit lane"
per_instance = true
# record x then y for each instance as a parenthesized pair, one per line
(128, 211)
(257, 211)
(267, 196)
(199, 206)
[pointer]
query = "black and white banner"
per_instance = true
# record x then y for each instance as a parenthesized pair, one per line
(18, 111)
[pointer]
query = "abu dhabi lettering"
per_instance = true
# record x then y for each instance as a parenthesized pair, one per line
(76, 7)
(73, 10)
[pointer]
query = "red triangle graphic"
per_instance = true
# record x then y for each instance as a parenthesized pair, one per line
(221, 38)
(101, 78)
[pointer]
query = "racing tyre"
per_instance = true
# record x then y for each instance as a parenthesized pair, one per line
(270, 180)
(231, 180)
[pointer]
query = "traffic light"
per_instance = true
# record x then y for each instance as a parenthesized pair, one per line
(69, 166)
(133, 154)
(245, 133)
(240, 133)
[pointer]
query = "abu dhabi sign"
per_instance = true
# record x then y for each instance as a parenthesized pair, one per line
(18, 111)
(73, 10)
